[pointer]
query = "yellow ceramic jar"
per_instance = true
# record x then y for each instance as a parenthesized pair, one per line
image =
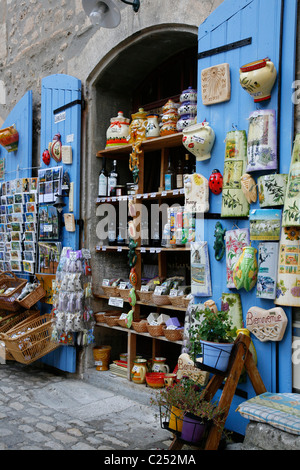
(258, 79)
(139, 370)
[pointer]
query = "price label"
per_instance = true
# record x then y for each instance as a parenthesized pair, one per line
(158, 250)
(113, 199)
(138, 196)
(105, 282)
(116, 302)
(153, 195)
(173, 292)
(158, 290)
(164, 193)
(144, 288)
(119, 248)
(104, 248)
(175, 192)
(122, 285)
(152, 250)
(143, 250)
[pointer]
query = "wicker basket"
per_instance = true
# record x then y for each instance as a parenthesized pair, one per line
(33, 340)
(112, 320)
(33, 297)
(110, 291)
(173, 335)
(161, 299)
(145, 297)
(155, 330)
(177, 301)
(124, 293)
(9, 301)
(140, 326)
(186, 302)
(121, 322)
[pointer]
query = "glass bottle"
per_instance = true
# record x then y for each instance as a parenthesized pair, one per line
(113, 180)
(169, 176)
(187, 166)
(102, 183)
(179, 175)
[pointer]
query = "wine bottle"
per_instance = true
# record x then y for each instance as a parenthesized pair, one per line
(187, 167)
(102, 183)
(169, 176)
(179, 175)
(113, 180)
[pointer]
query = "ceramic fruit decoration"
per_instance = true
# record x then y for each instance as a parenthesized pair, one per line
(249, 188)
(199, 139)
(267, 325)
(258, 79)
(219, 245)
(133, 277)
(245, 270)
(272, 189)
(262, 141)
(234, 201)
(132, 297)
(215, 182)
(288, 272)
(118, 131)
(291, 209)
(55, 148)
(235, 241)
(46, 157)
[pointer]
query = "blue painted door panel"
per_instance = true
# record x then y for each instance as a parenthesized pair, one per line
(272, 26)
(58, 91)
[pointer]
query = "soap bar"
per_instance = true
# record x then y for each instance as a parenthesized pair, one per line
(162, 318)
(173, 321)
(153, 316)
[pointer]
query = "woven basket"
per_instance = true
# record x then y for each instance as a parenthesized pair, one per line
(121, 322)
(161, 299)
(110, 291)
(177, 301)
(32, 341)
(186, 302)
(124, 293)
(99, 317)
(155, 330)
(33, 297)
(173, 335)
(9, 301)
(145, 297)
(113, 320)
(140, 326)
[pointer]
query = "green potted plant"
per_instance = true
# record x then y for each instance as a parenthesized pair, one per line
(183, 410)
(212, 336)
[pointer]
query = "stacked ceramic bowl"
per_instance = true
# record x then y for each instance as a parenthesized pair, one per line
(188, 109)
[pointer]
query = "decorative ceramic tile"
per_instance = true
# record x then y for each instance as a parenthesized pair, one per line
(232, 304)
(291, 210)
(200, 270)
(215, 84)
(196, 192)
(262, 141)
(288, 280)
(235, 241)
(266, 325)
(265, 224)
(267, 270)
(272, 189)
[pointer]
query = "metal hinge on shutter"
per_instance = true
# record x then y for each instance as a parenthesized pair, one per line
(225, 48)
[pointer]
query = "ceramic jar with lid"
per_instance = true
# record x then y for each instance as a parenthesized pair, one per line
(188, 95)
(118, 131)
(188, 109)
(152, 126)
(137, 128)
(169, 118)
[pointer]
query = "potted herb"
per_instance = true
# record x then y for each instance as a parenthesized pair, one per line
(183, 409)
(213, 336)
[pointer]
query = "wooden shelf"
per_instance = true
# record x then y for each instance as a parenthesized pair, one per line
(142, 249)
(166, 307)
(175, 193)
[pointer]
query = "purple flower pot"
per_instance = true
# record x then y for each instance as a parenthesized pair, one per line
(192, 428)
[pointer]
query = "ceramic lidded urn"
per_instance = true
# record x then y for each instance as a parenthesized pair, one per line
(291, 210)
(169, 118)
(262, 141)
(199, 140)
(118, 131)
(152, 126)
(188, 109)
(137, 127)
(258, 79)
(188, 95)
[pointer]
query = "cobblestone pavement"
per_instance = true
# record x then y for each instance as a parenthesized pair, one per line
(46, 410)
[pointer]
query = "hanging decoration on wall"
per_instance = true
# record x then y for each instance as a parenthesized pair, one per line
(291, 210)
(215, 182)
(199, 139)
(118, 131)
(245, 270)
(265, 224)
(9, 138)
(267, 325)
(46, 157)
(288, 280)
(267, 270)
(219, 245)
(215, 84)
(235, 241)
(262, 141)
(234, 202)
(200, 270)
(249, 188)
(258, 79)
(196, 192)
(272, 189)
(231, 303)
(55, 148)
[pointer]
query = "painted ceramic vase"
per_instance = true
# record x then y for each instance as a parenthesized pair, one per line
(138, 371)
(234, 201)
(186, 120)
(272, 189)
(168, 128)
(118, 131)
(199, 140)
(159, 365)
(235, 241)
(245, 270)
(262, 141)
(258, 79)
(169, 119)
(288, 273)
(189, 94)
(152, 127)
(200, 270)
(137, 128)
(231, 303)
(188, 107)
(267, 270)
(291, 209)
(169, 106)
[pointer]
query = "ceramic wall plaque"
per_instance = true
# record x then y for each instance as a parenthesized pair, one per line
(258, 78)
(234, 202)
(235, 241)
(288, 277)
(245, 270)
(262, 141)
(200, 270)
(267, 270)
(272, 189)
(267, 325)
(231, 303)
(215, 84)
(196, 192)
(291, 210)
(199, 139)
(265, 224)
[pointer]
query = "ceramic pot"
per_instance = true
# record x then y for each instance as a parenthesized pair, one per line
(101, 357)
(235, 241)
(137, 127)
(188, 95)
(272, 190)
(169, 106)
(193, 428)
(152, 126)
(159, 365)
(288, 282)
(291, 208)
(199, 140)
(262, 141)
(168, 128)
(245, 270)
(118, 131)
(186, 120)
(258, 79)
(171, 115)
(216, 355)
(9, 139)
(188, 107)
(138, 371)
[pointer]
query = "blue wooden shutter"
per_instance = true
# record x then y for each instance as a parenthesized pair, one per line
(268, 29)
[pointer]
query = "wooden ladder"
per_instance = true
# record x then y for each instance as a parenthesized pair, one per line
(240, 358)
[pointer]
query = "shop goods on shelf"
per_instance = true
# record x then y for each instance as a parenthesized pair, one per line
(31, 294)
(10, 288)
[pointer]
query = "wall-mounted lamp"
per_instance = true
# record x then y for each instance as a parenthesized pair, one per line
(59, 203)
(106, 13)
